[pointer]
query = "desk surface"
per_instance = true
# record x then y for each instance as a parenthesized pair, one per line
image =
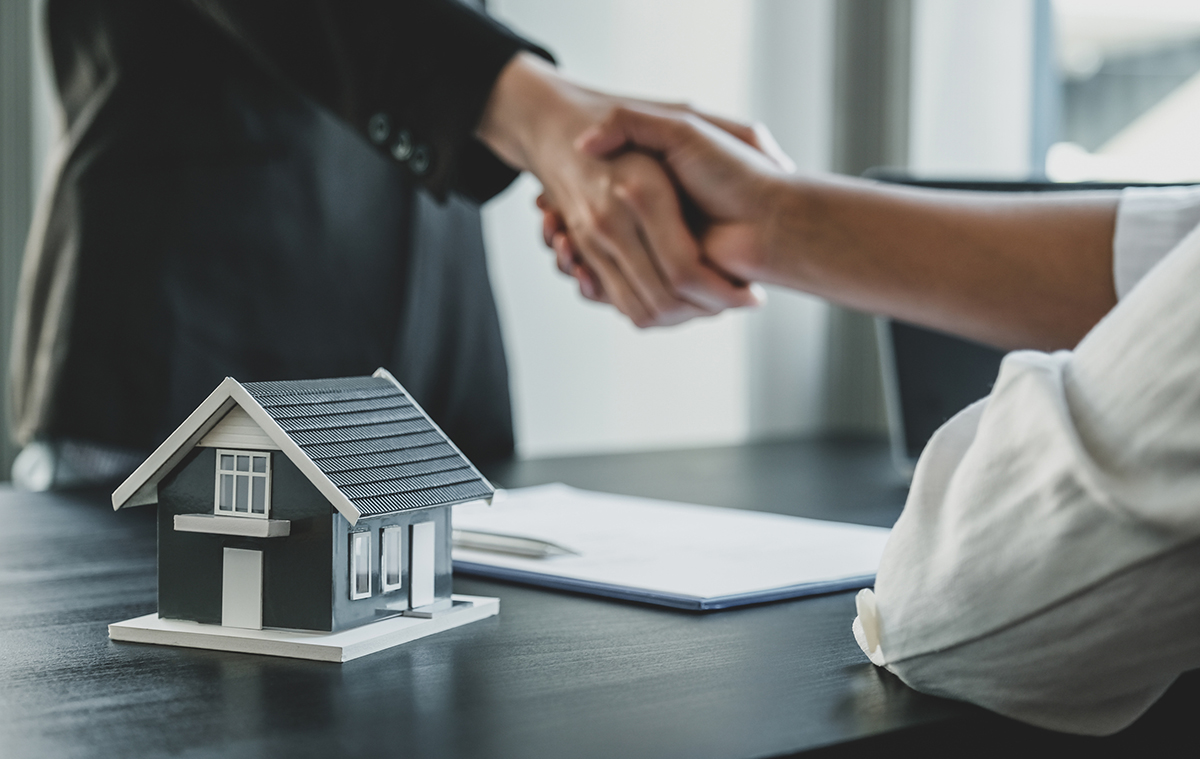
(555, 674)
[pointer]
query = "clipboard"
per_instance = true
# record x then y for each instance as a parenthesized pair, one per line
(679, 555)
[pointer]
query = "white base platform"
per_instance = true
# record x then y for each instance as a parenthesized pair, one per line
(339, 647)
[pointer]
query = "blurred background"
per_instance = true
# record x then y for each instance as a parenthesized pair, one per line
(1067, 90)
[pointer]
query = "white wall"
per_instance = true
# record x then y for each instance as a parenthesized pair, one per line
(584, 380)
(972, 96)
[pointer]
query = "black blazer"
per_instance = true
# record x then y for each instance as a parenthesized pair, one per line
(266, 189)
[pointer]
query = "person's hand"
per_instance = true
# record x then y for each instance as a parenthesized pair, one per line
(733, 184)
(569, 259)
(622, 213)
(566, 257)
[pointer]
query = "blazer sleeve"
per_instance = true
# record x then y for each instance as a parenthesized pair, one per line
(412, 76)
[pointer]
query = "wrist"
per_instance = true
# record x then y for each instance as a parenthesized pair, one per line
(786, 229)
(532, 108)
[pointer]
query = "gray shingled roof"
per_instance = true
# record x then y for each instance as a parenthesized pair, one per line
(372, 441)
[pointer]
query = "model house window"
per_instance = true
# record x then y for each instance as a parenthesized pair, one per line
(390, 575)
(243, 483)
(360, 565)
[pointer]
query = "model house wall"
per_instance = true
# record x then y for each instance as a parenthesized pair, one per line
(306, 575)
(351, 613)
(297, 583)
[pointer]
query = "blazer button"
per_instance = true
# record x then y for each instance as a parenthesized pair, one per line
(379, 128)
(402, 147)
(420, 160)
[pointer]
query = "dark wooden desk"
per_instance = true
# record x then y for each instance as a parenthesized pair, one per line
(555, 674)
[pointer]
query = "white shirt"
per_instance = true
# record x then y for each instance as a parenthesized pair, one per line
(1047, 563)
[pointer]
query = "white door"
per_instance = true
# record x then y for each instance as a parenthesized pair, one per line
(241, 589)
(421, 572)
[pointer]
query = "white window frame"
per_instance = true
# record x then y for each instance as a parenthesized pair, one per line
(359, 540)
(391, 545)
(252, 477)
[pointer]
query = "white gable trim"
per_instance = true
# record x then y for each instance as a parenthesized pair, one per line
(141, 487)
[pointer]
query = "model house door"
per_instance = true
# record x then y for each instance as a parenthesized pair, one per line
(421, 570)
(241, 589)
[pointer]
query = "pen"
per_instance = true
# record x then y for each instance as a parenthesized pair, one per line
(515, 545)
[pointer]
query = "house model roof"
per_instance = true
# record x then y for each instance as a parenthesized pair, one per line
(362, 441)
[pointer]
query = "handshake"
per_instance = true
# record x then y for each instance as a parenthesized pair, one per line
(656, 209)
(669, 214)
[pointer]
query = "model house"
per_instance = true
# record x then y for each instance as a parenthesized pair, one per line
(313, 505)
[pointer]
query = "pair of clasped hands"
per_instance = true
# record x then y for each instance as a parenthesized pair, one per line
(615, 173)
(1017, 270)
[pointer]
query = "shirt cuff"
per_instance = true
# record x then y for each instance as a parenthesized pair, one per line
(1151, 221)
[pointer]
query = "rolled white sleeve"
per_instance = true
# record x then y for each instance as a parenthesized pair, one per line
(1047, 563)
(1150, 222)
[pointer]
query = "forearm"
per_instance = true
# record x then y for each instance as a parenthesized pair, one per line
(1017, 271)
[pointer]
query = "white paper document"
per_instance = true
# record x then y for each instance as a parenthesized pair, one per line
(674, 554)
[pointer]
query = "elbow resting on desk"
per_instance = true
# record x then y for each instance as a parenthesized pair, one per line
(1045, 563)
